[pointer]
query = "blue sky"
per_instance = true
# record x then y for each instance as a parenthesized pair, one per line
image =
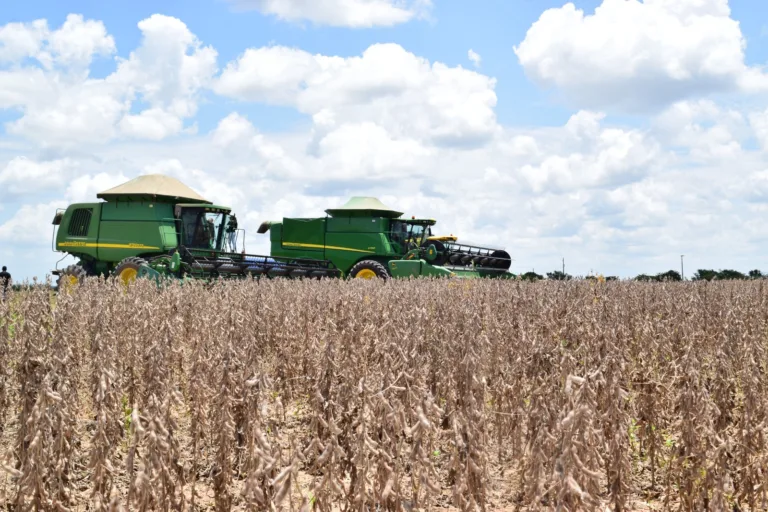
(620, 134)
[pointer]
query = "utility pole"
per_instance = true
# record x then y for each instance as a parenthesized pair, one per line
(682, 274)
(563, 267)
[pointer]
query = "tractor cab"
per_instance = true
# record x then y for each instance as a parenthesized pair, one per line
(206, 226)
(413, 233)
(409, 234)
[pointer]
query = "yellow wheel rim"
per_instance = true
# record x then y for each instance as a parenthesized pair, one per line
(128, 275)
(366, 273)
(67, 283)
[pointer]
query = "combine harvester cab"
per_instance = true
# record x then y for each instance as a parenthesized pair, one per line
(365, 239)
(155, 226)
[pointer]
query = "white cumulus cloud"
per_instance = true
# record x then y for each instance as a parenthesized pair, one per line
(21, 40)
(406, 94)
(24, 176)
(169, 68)
(706, 130)
(595, 156)
(61, 106)
(366, 151)
(759, 123)
(75, 43)
(152, 123)
(341, 13)
(84, 188)
(73, 111)
(78, 40)
(474, 57)
(30, 224)
(634, 54)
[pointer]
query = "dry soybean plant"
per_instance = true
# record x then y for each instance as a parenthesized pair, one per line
(400, 395)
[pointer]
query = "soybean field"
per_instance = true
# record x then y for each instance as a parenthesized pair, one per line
(385, 395)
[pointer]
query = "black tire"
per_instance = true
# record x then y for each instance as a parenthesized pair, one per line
(366, 267)
(128, 268)
(441, 256)
(73, 275)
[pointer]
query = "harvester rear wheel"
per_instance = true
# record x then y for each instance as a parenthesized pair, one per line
(71, 276)
(369, 269)
(128, 269)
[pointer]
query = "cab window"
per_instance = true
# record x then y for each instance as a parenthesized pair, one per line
(201, 229)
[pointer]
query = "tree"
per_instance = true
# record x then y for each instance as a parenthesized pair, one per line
(670, 275)
(531, 276)
(755, 274)
(704, 275)
(558, 275)
(730, 275)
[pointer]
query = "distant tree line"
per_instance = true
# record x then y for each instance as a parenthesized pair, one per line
(711, 275)
(704, 274)
(559, 275)
(670, 275)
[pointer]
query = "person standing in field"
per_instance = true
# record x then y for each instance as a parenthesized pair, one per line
(5, 280)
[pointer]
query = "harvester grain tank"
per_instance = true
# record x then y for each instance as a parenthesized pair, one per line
(155, 226)
(366, 239)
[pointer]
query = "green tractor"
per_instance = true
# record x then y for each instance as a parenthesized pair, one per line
(155, 226)
(365, 239)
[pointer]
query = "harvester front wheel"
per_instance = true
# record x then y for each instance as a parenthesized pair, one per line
(369, 269)
(71, 276)
(128, 269)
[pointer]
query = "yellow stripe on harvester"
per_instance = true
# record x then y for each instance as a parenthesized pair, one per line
(106, 246)
(321, 246)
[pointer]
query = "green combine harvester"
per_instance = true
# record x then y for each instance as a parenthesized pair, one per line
(155, 226)
(365, 239)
